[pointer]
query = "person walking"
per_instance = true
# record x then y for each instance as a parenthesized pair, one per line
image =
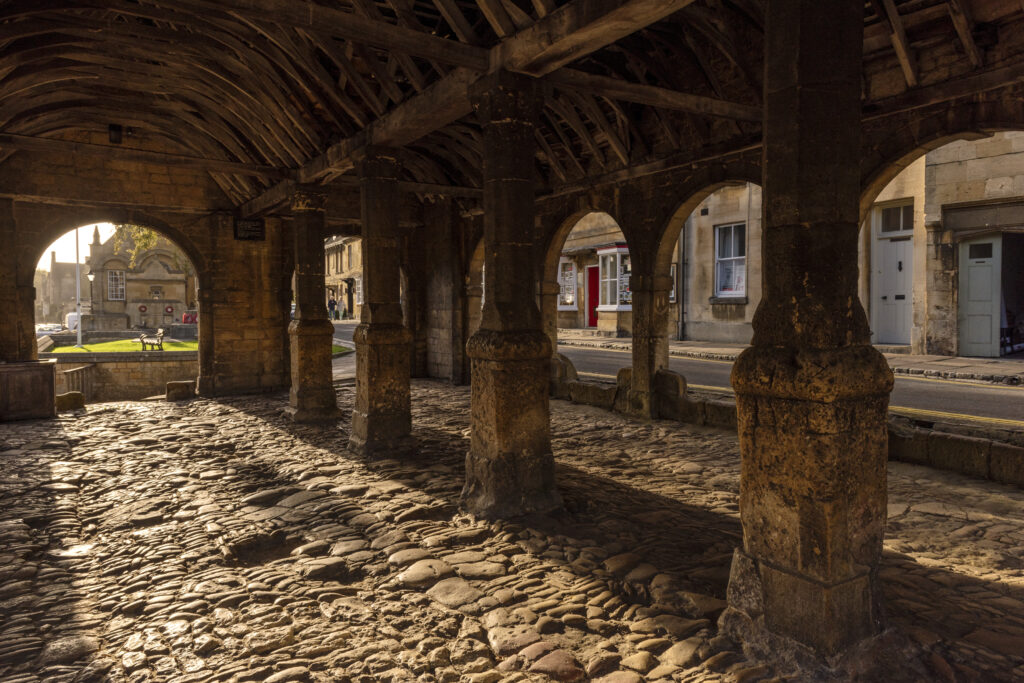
(331, 305)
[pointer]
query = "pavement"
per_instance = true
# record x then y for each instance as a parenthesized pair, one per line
(998, 370)
(215, 540)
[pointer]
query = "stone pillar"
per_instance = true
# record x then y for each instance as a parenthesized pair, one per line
(17, 293)
(549, 293)
(381, 418)
(650, 338)
(509, 468)
(206, 383)
(311, 398)
(811, 393)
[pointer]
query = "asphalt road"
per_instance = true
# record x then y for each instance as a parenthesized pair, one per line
(921, 397)
(915, 396)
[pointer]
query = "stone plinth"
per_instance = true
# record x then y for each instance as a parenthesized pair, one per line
(381, 418)
(813, 431)
(509, 468)
(311, 398)
(27, 389)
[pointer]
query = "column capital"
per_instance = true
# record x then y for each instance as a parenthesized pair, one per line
(505, 96)
(378, 162)
(308, 199)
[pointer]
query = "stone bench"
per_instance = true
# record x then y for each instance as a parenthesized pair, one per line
(156, 342)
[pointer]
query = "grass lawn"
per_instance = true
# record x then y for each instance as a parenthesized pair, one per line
(124, 345)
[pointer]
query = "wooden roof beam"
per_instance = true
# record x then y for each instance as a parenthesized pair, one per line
(541, 48)
(315, 18)
(652, 96)
(28, 143)
(576, 30)
(888, 12)
(963, 24)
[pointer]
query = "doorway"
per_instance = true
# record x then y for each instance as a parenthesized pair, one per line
(980, 293)
(893, 289)
(593, 294)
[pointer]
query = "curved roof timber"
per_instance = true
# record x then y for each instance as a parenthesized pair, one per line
(267, 93)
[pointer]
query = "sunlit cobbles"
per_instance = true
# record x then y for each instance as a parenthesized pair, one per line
(635, 570)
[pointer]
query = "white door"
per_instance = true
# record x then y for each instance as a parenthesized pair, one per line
(980, 272)
(893, 294)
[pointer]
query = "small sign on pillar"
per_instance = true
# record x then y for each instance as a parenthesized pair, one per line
(250, 229)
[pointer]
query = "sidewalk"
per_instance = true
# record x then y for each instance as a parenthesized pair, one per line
(997, 370)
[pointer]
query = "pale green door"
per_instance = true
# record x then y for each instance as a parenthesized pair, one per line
(979, 314)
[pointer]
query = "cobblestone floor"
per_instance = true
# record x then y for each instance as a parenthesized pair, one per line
(217, 541)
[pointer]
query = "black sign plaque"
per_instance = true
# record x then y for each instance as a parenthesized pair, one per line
(250, 229)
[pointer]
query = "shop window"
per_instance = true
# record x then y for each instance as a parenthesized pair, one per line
(359, 290)
(897, 219)
(615, 273)
(730, 260)
(115, 285)
(566, 285)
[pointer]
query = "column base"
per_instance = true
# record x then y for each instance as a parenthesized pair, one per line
(878, 655)
(312, 397)
(311, 416)
(382, 416)
(813, 431)
(510, 470)
(824, 618)
(206, 387)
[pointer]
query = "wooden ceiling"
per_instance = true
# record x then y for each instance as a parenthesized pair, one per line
(267, 93)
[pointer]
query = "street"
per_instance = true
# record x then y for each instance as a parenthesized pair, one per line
(920, 397)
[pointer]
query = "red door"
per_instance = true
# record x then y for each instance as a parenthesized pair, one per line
(593, 295)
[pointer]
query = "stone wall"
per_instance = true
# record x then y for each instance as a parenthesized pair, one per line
(127, 376)
(707, 316)
(961, 173)
(907, 186)
(244, 286)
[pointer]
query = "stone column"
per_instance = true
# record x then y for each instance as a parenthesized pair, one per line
(381, 418)
(17, 293)
(650, 338)
(206, 383)
(549, 293)
(811, 393)
(311, 398)
(509, 468)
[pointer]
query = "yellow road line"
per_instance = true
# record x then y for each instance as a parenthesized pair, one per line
(598, 348)
(913, 412)
(596, 374)
(978, 384)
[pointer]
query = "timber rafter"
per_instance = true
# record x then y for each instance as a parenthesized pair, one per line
(262, 93)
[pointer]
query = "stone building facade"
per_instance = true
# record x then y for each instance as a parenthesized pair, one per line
(593, 278)
(942, 251)
(155, 290)
(55, 291)
(343, 274)
(916, 241)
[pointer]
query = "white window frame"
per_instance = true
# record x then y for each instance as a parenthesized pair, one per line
(567, 286)
(904, 231)
(619, 283)
(672, 292)
(115, 285)
(719, 259)
(359, 290)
